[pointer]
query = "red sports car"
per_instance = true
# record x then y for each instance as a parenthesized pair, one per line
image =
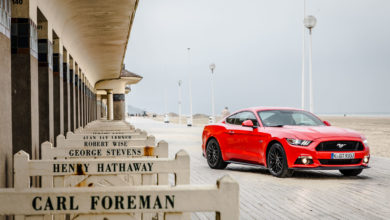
(284, 140)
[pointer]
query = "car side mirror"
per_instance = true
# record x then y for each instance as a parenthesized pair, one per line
(327, 123)
(247, 123)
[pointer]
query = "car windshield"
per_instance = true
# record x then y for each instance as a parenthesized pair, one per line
(280, 118)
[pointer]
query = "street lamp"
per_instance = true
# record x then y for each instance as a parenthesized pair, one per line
(166, 116)
(179, 83)
(310, 22)
(189, 119)
(212, 67)
(303, 59)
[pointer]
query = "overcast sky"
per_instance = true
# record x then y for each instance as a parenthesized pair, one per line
(257, 48)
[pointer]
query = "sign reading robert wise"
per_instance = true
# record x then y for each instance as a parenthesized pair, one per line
(222, 198)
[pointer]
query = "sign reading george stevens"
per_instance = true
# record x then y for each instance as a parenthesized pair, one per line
(105, 152)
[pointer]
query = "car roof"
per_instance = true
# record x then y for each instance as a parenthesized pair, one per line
(263, 108)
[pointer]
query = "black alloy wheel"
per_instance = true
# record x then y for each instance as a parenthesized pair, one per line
(353, 172)
(277, 161)
(214, 156)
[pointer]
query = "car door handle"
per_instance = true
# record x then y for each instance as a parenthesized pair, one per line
(231, 132)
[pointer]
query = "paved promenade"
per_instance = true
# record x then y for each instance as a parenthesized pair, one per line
(306, 195)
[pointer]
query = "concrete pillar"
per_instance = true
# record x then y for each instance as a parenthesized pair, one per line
(85, 101)
(24, 68)
(119, 107)
(5, 98)
(94, 106)
(81, 98)
(65, 84)
(57, 86)
(87, 93)
(103, 101)
(71, 94)
(110, 105)
(45, 80)
(77, 96)
(82, 91)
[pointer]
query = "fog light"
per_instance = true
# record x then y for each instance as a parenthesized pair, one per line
(306, 160)
(366, 159)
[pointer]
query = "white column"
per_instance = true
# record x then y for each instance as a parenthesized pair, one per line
(303, 59)
(110, 105)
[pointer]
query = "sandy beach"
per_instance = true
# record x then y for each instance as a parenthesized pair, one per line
(376, 129)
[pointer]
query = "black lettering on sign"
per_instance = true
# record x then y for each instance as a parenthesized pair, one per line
(70, 168)
(34, 203)
(144, 202)
(17, 2)
(124, 167)
(49, 205)
(133, 202)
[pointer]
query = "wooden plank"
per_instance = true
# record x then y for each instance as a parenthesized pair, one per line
(221, 198)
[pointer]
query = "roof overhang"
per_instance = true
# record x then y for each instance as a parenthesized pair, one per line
(94, 32)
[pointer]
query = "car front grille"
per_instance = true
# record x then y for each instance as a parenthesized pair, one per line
(339, 161)
(340, 146)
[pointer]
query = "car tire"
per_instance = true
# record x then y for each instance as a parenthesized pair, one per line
(277, 161)
(353, 172)
(214, 156)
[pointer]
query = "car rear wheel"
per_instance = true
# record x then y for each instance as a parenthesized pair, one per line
(214, 156)
(277, 161)
(353, 172)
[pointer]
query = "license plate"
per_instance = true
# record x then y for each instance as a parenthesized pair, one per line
(343, 155)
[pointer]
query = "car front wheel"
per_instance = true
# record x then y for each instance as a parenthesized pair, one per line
(277, 161)
(214, 156)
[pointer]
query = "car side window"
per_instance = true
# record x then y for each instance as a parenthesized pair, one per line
(231, 119)
(240, 117)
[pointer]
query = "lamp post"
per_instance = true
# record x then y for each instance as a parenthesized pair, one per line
(303, 59)
(166, 116)
(310, 22)
(189, 119)
(212, 67)
(179, 83)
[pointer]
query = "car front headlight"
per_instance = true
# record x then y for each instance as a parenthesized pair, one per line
(298, 142)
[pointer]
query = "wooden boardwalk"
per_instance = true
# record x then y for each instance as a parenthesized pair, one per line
(306, 195)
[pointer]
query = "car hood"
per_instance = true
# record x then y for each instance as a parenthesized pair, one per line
(315, 132)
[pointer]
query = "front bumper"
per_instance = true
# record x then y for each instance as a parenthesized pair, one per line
(331, 168)
(295, 152)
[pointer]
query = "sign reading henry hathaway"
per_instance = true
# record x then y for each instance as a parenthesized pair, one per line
(101, 167)
(178, 166)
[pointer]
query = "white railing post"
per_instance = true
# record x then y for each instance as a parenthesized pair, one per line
(162, 152)
(229, 192)
(21, 171)
(183, 161)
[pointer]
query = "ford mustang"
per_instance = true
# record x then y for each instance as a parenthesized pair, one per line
(284, 140)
